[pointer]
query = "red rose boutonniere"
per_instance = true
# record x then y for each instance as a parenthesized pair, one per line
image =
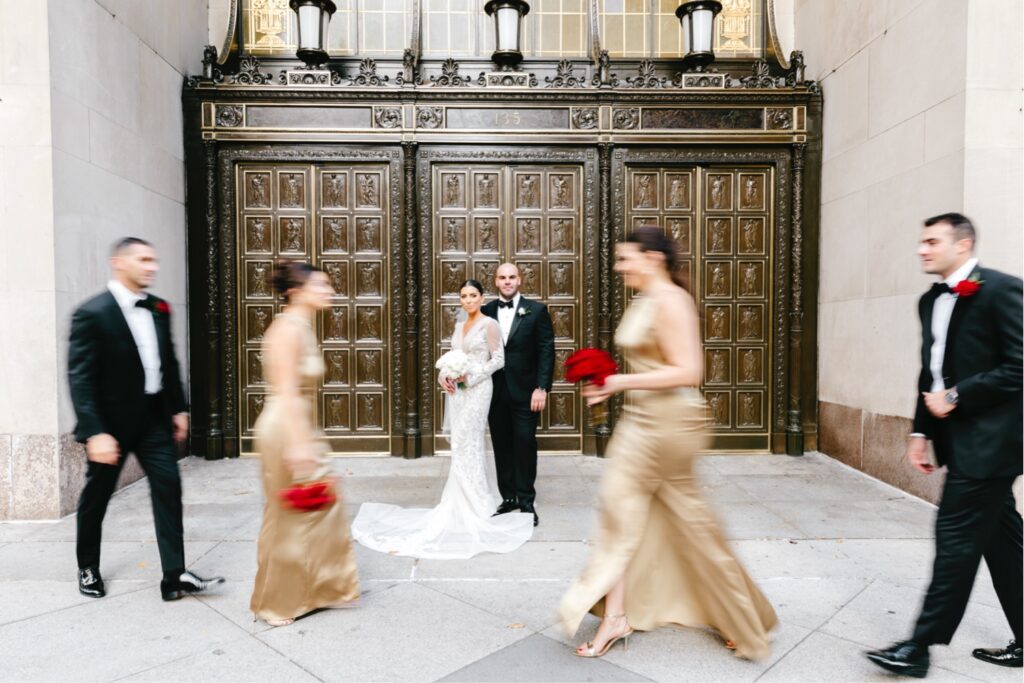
(968, 287)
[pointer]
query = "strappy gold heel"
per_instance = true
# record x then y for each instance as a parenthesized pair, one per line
(589, 652)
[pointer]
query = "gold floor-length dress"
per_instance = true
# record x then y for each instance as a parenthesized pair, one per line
(305, 559)
(655, 527)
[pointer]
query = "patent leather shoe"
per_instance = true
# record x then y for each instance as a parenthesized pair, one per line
(1002, 656)
(506, 507)
(528, 508)
(186, 584)
(90, 583)
(907, 659)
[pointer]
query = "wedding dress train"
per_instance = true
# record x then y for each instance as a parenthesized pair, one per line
(461, 525)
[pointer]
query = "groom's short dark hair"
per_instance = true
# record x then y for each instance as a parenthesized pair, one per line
(126, 242)
(963, 228)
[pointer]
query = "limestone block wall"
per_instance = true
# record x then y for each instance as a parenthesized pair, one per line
(921, 117)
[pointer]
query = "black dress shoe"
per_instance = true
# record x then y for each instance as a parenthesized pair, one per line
(90, 583)
(1008, 656)
(506, 507)
(528, 508)
(186, 584)
(907, 658)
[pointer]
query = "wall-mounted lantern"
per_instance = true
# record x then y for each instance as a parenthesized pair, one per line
(508, 31)
(697, 19)
(314, 18)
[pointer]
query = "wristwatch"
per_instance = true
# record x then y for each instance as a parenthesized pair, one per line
(952, 397)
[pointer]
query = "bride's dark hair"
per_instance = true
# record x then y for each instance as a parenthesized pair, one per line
(652, 238)
(475, 284)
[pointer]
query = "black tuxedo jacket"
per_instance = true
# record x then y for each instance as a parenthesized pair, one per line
(981, 438)
(108, 382)
(529, 351)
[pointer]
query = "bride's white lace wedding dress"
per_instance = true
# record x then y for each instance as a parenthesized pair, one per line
(461, 525)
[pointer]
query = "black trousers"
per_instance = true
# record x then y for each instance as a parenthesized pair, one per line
(157, 454)
(977, 518)
(514, 434)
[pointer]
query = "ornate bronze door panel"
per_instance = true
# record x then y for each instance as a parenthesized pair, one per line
(530, 215)
(335, 217)
(721, 217)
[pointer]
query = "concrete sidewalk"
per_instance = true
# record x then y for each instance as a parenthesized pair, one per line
(843, 558)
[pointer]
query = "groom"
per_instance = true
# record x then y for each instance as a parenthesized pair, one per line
(127, 395)
(969, 407)
(520, 389)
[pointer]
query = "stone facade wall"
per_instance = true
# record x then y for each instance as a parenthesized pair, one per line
(921, 117)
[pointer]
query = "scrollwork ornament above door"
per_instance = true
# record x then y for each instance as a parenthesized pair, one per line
(249, 73)
(368, 75)
(450, 77)
(646, 77)
(564, 77)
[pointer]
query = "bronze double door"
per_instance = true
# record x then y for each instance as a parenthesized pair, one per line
(484, 214)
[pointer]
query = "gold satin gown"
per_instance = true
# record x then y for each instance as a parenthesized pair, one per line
(305, 559)
(655, 528)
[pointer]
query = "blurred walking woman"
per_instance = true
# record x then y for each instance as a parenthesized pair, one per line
(305, 557)
(660, 557)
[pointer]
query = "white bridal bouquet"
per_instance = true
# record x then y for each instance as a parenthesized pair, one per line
(453, 364)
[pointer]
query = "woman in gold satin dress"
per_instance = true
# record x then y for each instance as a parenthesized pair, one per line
(306, 560)
(660, 557)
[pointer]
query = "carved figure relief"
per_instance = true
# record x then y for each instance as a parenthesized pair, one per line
(528, 198)
(258, 234)
(719, 236)
(337, 323)
(452, 232)
(718, 191)
(449, 315)
(368, 193)
(748, 410)
(335, 189)
(750, 233)
(485, 272)
(719, 409)
(371, 411)
(561, 279)
(748, 282)
(258, 279)
(452, 190)
(750, 323)
(717, 369)
(257, 408)
(719, 283)
(335, 234)
(369, 279)
(751, 193)
(368, 322)
(454, 276)
(680, 231)
(487, 234)
(258, 320)
(560, 198)
(368, 234)
(529, 235)
(293, 229)
(486, 196)
(644, 191)
(256, 368)
(369, 367)
(561, 320)
(336, 412)
(719, 323)
(748, 366)
(560, 411)
(256, 190)
(561, 235)
(678, 192)
(337, 368)
(528, 271)
(291, 190)
(337, 273)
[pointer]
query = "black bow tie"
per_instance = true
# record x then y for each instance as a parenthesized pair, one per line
(505, 304)
(144, 303)
(941, 288)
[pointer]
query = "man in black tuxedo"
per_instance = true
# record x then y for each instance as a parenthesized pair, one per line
(127, 394)
(969, 406)
(520, 389)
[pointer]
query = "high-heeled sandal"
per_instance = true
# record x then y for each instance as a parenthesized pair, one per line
(589, 652)
(280, 622)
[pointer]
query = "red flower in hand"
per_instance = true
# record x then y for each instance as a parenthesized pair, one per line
(590, 365)
(966, 287)
(315, 495)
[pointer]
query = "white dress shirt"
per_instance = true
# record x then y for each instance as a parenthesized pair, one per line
(507, 315)
(140, 322)
(942, 311)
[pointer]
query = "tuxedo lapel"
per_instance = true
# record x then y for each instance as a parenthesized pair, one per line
(960, 308)
(927, 338)
(119, 325)
(524, 303)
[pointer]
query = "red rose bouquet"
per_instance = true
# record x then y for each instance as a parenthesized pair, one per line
(593, 366)
(310, 495)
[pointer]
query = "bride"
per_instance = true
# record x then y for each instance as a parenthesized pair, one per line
(461, 525)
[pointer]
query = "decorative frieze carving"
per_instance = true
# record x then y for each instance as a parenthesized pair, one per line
(387, 117)
(564, 77)
(249, 73)
(229, 115)
(368, 75)
(779, 119)
(646, 77)
(450, 77)
(429, 117)
(626, 119)
(584, 118)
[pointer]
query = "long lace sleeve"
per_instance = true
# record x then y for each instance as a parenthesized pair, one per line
(496, 356)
